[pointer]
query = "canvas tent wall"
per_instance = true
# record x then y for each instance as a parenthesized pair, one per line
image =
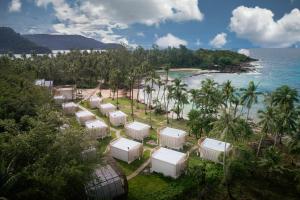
(211, 149)
(168, 162)
(97, 128)
(67, 92)
(126, 150)
(44, 83)
(69, 108)
(83, 116)
(171, 137)
(59, 99)
(95, 102)
(117, 118)
(107, 183)
(105, 109)
(137, 130)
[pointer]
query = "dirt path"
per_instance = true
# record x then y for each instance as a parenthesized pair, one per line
(139, 170)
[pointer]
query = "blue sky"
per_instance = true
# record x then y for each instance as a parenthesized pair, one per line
(230, 24)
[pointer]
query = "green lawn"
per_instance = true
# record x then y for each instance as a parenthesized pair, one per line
(130, 168)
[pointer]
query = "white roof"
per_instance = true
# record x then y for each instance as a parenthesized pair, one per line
(40, 82)
(95, 124)
(214, 144)
(138, 126)
(69, 104)
(124, 144)
(83, 113)
(95, 98)
(168, 155)
(59, 97)
(172, 132)
(107, 105)
(65, 89)
(117, 114)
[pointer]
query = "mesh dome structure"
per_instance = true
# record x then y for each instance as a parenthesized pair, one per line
(107, 183)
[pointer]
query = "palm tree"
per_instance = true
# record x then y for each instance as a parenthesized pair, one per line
(250, 96)
(267, 123)
(149, 91)
(166, 69)
(194, 96)
(179, 95)
(228, 93)
(285, 97)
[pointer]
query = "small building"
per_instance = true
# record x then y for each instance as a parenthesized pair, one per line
(83, 116)
(106, 108)
(59, 99)
(95, 101)
(171, 137)
(137, 130)
(107, 183)
(168, 162)
(117, 118)
(67, 92)
(69, 108)
(211, 149)
(126, 150)
(96, 128)
(44, 83)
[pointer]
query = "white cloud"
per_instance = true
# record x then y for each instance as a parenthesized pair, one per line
(170, 41)
(101, 18)
(141, 34)
(219, 40)
(258, 25)
(245, 52)
(15, 6)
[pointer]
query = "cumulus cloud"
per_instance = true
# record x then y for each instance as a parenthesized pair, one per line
(170, 40)
(102, 18)
(245, 52)
(15, 6)
(258, 26)
(219, 40)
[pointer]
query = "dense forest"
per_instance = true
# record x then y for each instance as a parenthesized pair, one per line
(39, 162)
(12, 42)
(85, 69)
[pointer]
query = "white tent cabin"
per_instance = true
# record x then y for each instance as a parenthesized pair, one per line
(97, 129)
(171, 137)
(126, 150)
(106, 108)
(67, 92)
(69, 108)
(95, 101)
(137, 130)
(59, 99)
(168, 162)
(211, 149)
(117, 118)
(83, 116)
(44, 83)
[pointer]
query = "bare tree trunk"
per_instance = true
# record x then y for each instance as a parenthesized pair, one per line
(259, 145)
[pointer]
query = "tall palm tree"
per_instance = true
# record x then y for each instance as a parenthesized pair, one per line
(250, 96)
(228, 93)
(267, 123)
(285, 97)
(179, 95)
(167, 70)
(194, 96)
(149, 91)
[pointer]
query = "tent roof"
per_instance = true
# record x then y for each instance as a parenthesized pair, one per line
(107, 105)
(95, 98)
(172, 132)
(69, 104)
(95, 124)
(168, 155)
(138, 126)
(124, 144)
(83, 113)
(117, 114)
(59, 97)
(214, 144)
(65, 89)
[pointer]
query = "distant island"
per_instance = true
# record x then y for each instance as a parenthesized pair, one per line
(12, 42)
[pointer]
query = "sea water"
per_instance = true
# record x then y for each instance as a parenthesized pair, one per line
(274, 68)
